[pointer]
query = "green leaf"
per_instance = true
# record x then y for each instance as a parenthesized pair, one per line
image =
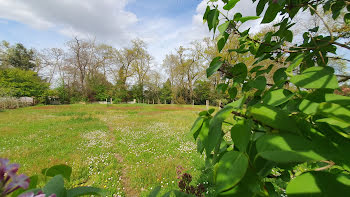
(222, 87)
(213, 19)
(237, 16)
(215, 129)
(55, 186)
(308, 107)
(280, 76)
(259, 83)
(239, 72)
(230, 4)
(319, 184)
(205, 16)
(335, 111)
(277, 97)
(248, 18)
(316, 77)
(168, 194)
(200, 146)
(338, 99)
(260, 7)
(343, 125)
(181, 194)
(196, 127)
(210, 111)
(222, 41)
(255, 69)
(223, 27)
(288, 35)
(214, 66)
(61, 169)
(336, 8)
(286, 148)
(233, 92)
(237, 104)
(83, 191)
(295, 63)
(248, 186)
(274, 117)
(240, 134)
(204, 136)
(271, 12)
(230, 170)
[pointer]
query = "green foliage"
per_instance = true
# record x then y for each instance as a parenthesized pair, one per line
(56, 184)
(230, 170)
(22, 82)
(62, 169)
(291, 135)
(18, 57)
(165, 92)
(202, 92)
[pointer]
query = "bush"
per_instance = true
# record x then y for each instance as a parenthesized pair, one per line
(276, 140)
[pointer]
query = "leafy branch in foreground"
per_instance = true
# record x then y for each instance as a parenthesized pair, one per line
(289, 137)
(23, 186)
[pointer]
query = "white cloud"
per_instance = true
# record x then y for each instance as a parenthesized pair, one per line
(109, 22)
(105, 19)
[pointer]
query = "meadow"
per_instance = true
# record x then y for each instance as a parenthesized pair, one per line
(126, 149)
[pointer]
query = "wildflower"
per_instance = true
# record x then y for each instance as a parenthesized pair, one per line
(39, 194)
(9, 180)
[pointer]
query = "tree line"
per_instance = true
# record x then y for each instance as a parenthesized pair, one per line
(86, 70)
(89, 71)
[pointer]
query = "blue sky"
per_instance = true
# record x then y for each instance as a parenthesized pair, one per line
(16, 32)
(163, 24)
(165, 8)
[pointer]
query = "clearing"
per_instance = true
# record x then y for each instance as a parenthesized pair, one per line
(127, 149)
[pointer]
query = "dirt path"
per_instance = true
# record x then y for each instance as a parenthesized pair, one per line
(129, 191)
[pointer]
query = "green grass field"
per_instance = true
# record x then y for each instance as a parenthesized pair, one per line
(127, 149)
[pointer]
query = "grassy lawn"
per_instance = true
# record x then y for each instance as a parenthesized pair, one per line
(127, 149)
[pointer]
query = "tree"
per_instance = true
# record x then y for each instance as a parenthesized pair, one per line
(203, 91)
(289, 137)
(17, 56)
(141, 66)
(165, 92)
(19, 83)
(98, 87)
(153, 90)
(185, 67)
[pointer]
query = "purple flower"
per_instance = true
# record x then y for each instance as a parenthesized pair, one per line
(12, 169)
(39, 194)
(3, 164)
(9, 180)
(20, 181)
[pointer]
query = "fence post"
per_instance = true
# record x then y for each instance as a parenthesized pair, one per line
(207, 104)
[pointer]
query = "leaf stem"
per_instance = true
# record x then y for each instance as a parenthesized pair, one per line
(324, 22)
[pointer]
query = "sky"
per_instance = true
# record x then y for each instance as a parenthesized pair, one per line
(163, 24)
